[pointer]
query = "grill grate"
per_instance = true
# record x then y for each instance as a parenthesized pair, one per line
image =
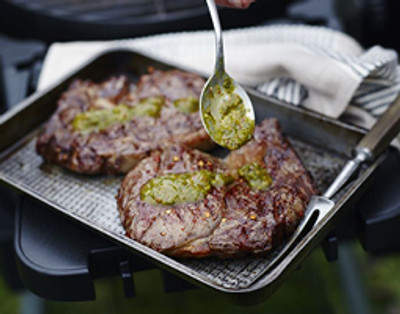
(92, 200)
(108, 8)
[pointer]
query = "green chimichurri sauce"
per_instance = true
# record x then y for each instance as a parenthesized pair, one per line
(180, 188)
(187, 105)
(226, 117)
(150, 107)
(256, 176)
(99, 119)
(189, 187)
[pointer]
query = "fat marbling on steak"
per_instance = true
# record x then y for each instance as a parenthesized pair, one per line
(118, 146)
(231, 220)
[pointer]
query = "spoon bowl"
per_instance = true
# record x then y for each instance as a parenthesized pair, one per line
(226, 110)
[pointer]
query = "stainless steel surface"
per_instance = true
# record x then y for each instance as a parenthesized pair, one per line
(219, 77)
(382, 133)
(219, 44)
(323, 144)
(345, 174)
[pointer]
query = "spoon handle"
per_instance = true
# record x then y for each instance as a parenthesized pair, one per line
(219, 45)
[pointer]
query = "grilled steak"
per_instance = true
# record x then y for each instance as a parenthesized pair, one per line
(109, 127)
(230, 220)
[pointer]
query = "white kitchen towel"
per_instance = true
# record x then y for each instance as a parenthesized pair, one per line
(321, 69)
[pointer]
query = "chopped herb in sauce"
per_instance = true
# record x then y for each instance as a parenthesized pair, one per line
(99, 119)
(187, 105)
(226, 117)
(256, 176)
(150, 107)
(180, 188)
(189, 187)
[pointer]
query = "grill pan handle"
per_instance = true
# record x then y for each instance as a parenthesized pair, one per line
(382, 133)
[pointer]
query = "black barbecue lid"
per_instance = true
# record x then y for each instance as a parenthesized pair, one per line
(52, 20)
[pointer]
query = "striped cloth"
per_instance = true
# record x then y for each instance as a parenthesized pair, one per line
(377, 67)
(285, 89)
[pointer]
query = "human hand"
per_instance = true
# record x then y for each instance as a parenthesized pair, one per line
(238, 4)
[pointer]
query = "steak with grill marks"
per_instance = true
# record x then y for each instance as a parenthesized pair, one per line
(116, 148)
(231, 220)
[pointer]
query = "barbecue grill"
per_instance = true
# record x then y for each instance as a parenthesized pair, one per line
(48, 260)
(52, 20)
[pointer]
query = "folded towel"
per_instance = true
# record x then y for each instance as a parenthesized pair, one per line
(315, 67)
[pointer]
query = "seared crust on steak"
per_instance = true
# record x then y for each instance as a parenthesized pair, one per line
(119, 147)
(172, 84)
(230, 221)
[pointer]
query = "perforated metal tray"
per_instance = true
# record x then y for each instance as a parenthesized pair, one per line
(322, 144)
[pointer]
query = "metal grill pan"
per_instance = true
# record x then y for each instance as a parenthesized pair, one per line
(323, 145)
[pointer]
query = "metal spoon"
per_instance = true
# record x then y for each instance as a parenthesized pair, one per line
(220, 100)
